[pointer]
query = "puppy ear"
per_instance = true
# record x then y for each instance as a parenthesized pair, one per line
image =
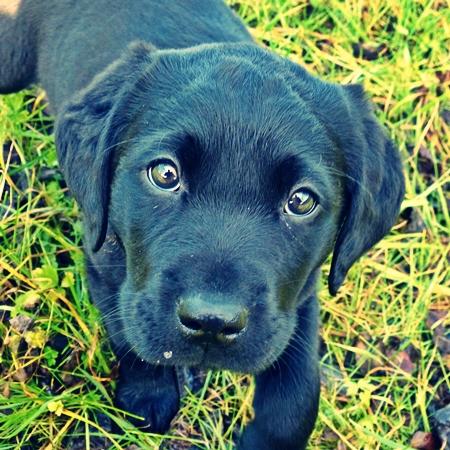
(374, 185)
(88, 129)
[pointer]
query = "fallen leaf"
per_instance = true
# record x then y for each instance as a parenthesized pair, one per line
(436, 323)
(404, 362)
(425, 153)
(443, 77)
(329, 435)
(28, 300)
(425, 162)
(73, 361)
(21, 375)
(6, 392)
(68, 379)
(13, 342)
(423, 441)
(21, 323)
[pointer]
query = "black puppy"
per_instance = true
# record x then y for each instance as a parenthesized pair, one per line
(214, 178)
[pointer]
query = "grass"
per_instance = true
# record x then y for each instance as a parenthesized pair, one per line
(385, 372)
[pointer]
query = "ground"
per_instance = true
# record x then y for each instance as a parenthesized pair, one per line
(385, 352)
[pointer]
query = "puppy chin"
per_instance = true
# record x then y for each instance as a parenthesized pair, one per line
(209, 360)
(206, 356)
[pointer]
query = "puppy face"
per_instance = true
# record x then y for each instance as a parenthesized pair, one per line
(248, 210)
(224, 171)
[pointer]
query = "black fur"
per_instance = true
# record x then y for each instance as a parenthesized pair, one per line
(246, 127)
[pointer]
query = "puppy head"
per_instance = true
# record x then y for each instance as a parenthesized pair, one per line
(228, 175)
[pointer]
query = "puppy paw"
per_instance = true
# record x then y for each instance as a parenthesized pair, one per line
(154, 398)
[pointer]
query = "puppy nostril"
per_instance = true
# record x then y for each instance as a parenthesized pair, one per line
(234, 328)
(190, 323)
(229, 331)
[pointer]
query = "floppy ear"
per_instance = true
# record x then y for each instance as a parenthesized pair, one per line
(89, 128)
(373, 177)
(374, 184)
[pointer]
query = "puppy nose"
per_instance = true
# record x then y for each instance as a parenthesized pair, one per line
(214, 318)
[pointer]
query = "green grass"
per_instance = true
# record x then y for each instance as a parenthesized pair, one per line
(385, 373)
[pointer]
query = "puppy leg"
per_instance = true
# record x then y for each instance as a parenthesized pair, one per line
(148, 391)
(287, 394)
(17, 46)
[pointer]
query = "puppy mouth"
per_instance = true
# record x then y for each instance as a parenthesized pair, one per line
(211, 356)
(198, 357)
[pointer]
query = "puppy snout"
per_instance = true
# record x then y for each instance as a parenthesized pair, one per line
(214, 319)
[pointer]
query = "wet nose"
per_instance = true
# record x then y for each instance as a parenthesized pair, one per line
(214, 318)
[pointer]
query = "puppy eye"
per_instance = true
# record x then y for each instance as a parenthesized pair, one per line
(163, 173)
(301, 203)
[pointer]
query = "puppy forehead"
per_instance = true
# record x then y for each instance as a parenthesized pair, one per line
(230, 101)
(230, 90)
(236, 115)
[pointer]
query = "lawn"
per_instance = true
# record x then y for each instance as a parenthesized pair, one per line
(385, 355)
